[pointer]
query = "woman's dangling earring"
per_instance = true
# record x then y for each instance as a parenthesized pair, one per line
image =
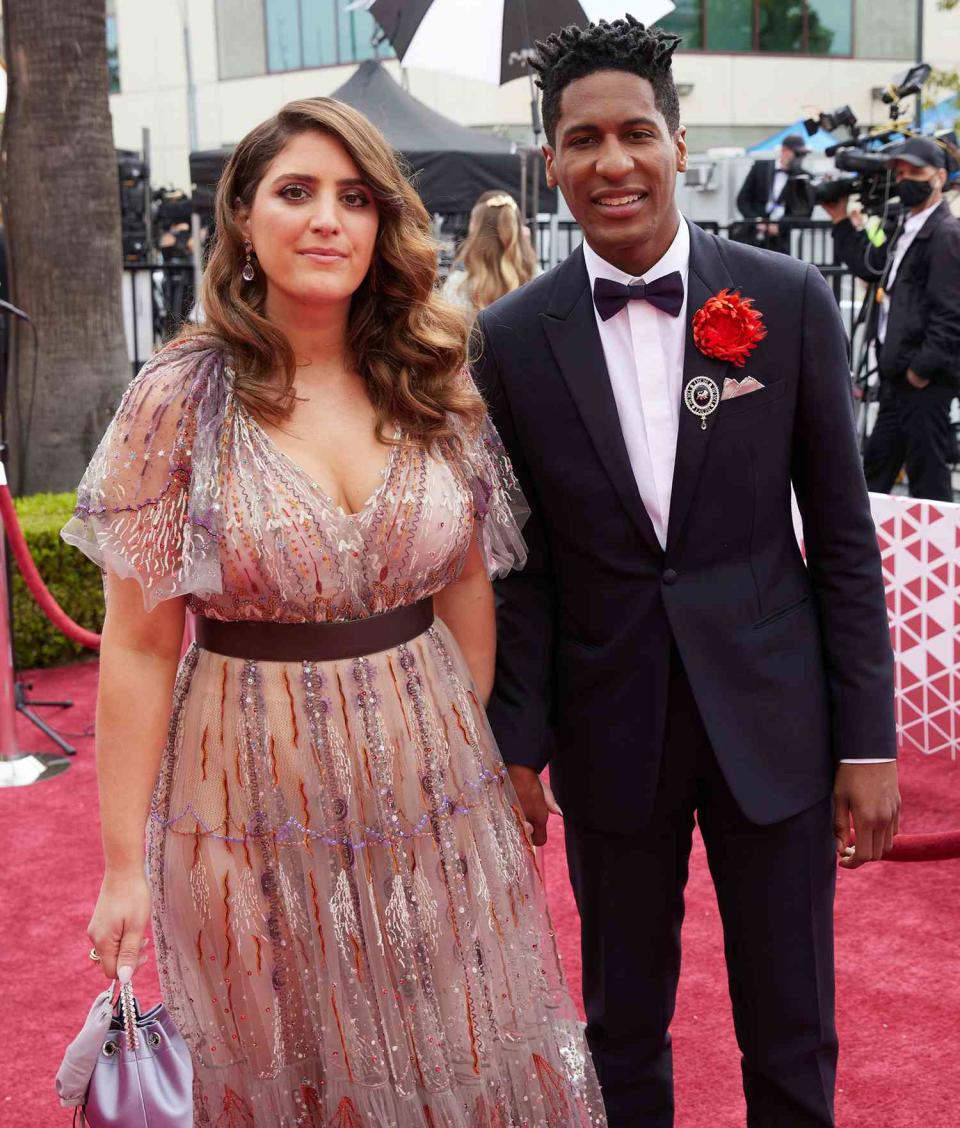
(248, 273)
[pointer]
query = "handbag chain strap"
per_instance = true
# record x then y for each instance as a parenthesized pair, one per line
(128, 1009)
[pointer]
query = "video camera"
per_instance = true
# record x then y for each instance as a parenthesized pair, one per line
(170, 207)
(863, 157)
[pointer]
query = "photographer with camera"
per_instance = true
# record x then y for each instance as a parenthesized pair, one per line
(917, 329)
(776, 192)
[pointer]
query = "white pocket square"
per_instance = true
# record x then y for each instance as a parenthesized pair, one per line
(733, 388)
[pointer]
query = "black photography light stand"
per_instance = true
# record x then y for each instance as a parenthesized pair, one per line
(863, 362)
(18, 769)
(25, 704)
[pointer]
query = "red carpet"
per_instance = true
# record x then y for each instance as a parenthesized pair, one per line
(898, 953)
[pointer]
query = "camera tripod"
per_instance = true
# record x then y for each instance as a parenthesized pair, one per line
(863, 364)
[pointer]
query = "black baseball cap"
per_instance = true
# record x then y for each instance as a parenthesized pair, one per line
(920, 152)
(795, 142)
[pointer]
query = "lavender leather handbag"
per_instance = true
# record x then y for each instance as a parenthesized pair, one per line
(138, 1066)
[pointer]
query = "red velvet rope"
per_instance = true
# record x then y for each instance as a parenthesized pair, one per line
(925, 847)
(38, 589)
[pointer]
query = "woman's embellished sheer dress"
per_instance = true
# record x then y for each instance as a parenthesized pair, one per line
(349, 925)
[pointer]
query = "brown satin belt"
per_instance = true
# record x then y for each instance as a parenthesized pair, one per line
(314, 642)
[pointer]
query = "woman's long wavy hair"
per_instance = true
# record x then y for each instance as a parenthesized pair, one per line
(407, 343)
(494, 254)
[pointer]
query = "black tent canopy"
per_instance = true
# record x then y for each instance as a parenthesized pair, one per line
(451, 164)
(407, 123)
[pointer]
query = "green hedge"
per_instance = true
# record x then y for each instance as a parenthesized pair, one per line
(73, 580)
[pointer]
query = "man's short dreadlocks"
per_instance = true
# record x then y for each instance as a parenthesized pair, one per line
(624, 45)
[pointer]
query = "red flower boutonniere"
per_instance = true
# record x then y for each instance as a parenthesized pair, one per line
(728, 327)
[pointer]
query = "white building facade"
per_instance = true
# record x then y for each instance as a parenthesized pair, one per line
(200, 73)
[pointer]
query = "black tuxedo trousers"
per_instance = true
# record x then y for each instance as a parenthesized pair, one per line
(719, 678)
(775, 887)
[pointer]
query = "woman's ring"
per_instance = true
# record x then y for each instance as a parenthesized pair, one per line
(94, 955)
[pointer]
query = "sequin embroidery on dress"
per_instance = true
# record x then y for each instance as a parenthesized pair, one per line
(349, 925)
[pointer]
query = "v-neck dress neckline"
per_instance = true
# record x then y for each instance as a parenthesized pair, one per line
(369, 505)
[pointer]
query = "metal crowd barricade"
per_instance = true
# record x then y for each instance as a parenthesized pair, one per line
(157, 299)
(810, 241)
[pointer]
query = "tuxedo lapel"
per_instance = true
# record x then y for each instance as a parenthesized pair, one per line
(707, 276)
(571, 329)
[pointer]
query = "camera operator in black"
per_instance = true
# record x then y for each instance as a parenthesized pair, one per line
(918, 328)
(776, 192)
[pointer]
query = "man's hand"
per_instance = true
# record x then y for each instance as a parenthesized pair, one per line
(916, 381)
(536, 799)
(868, 795)
(837, 210)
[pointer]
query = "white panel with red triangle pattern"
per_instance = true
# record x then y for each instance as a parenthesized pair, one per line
(920, 548)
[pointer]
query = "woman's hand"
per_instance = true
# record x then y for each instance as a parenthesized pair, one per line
(119, 921)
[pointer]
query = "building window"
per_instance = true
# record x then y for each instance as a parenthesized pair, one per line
(319, 22)
(357, 32)
(830, 27)
(779, 26)
(729, 24)
(783, 27)
(113, 54)
(284, 35)
(271, 36)
(687, 22)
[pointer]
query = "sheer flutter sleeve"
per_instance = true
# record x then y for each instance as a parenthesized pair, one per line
(499, 507)
(147, 505)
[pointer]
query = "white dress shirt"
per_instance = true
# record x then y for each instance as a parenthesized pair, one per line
(776, 210)
(644, 350)
(906, 237)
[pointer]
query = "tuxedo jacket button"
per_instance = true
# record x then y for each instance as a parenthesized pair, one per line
(669, 576)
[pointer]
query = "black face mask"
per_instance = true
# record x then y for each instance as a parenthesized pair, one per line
(913, 193)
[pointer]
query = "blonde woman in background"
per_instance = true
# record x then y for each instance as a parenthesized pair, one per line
(497, 255)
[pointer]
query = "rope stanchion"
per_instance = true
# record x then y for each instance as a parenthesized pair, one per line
(32, 578)
(925, 847)
(17, 769)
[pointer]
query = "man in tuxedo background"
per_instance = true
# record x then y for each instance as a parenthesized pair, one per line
(666, 650)
(774, 192)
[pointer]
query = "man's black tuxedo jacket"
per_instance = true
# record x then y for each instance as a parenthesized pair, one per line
(753, 199)
(791, 665)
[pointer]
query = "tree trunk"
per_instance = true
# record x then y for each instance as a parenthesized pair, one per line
(61, 206)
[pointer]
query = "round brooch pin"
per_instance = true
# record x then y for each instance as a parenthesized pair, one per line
(702, 397)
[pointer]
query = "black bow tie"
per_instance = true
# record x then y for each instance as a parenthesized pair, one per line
(665, 293)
